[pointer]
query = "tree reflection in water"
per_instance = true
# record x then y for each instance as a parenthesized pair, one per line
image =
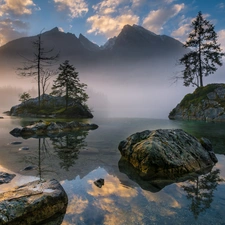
(68, 147)
(38, 157)
(200, 191)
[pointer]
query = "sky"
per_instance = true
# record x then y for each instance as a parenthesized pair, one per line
(99, 20)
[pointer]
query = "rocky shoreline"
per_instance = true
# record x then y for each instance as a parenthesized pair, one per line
(205, 103)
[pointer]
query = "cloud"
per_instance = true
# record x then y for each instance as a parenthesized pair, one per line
(221, 39)
(111, 16)
(17, 7)
(12, 29)
(107, 6)
(221, 5)
(110, 26)
(157, 18)
(77, 8)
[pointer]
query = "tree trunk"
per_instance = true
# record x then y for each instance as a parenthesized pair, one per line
(67, 96)
(200, 63)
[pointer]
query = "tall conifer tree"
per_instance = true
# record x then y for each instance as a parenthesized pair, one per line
(205, 53)
(68, 84)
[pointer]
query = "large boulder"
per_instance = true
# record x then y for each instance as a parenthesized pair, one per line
(166, 152)
(33, 203)
(44, 128)
(205, 103)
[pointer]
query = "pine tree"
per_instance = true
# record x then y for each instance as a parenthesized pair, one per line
(205, 53)
(68, 84)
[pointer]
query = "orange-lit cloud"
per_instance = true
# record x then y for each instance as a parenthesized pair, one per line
(18, 7)
(77, 205)
(110, 26)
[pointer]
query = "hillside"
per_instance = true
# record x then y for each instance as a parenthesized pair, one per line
(205, 103)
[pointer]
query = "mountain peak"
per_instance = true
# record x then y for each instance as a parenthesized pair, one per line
(55, 29)
(88, 44)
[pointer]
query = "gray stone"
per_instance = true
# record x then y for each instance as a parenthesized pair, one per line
(32, 203)
(212, 96)
(162, 152)
(201, 105)
(24, 149)
(220, 92)
(43, 128)
(6, 177)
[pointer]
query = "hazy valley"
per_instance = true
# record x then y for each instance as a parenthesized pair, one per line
(130, 76)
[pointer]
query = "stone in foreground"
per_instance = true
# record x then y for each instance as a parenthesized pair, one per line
(33, 203)
(166, 152)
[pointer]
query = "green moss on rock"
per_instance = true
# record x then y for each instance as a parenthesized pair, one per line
(205, 103)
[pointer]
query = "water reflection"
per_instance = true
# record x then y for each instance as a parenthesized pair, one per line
(200, 191)
(52, 154)
(68, 147)
(36, 160)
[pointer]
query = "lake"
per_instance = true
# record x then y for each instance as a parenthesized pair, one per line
(78, 159)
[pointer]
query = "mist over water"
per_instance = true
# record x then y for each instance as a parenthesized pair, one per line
(136, 93)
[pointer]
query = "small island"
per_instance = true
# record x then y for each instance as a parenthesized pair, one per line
(205, 103)
(51, 106)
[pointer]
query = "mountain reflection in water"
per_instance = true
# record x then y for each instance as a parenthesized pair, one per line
(78, 159)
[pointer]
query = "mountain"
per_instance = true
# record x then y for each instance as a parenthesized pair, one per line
(144, 43)
(88, 44)
(134, 48)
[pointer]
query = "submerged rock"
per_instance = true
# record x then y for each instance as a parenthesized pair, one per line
(33, 203)
(169, 152)
(43, 128)
(99, 183)
(6, 177)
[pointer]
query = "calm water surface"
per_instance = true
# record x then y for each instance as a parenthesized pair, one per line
(79, 159)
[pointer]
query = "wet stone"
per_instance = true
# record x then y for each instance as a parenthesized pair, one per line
(99, 183)
(23, 149)
(16, 143)
(6, 177)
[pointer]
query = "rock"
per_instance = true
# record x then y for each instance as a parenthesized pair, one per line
(169, 152)
(205, 103)
(99, 183)
(157, 183)
(6, 177)
(16, 143)
(24, 149)
(27, 168)
(33, 203)
(52, 107)
(43, 128)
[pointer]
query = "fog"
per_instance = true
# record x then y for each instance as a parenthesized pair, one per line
(139, 93)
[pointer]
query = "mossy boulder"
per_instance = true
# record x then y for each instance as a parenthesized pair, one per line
(205, 103)
(166, 153)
